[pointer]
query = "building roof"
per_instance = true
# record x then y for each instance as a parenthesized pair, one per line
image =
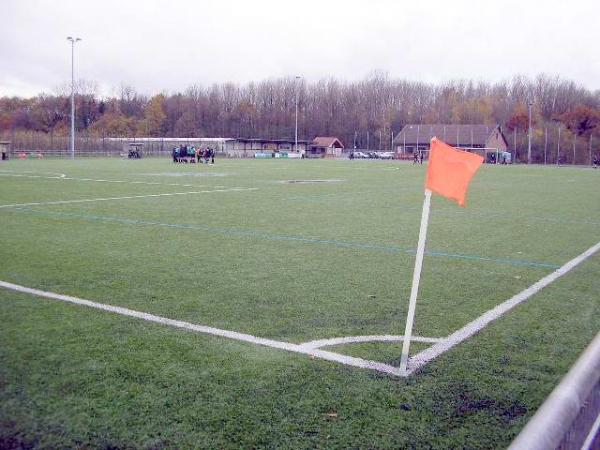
(277, 141)
(170, 139)
(455, 135)
(327, 141)
(205, 139)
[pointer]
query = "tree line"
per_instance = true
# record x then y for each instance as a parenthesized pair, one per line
(364, 113)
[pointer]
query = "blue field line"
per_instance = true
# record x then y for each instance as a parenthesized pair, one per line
(275, 237)
(541, 218)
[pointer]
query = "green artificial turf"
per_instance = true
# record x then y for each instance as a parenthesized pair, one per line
(293, 262)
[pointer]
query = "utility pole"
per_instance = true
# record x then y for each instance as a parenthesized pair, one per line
(73, 41)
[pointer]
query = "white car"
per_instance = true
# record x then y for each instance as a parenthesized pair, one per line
(386, 155)
(360, 155)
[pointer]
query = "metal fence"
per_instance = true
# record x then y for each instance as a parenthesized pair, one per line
(569, 419)
(35, 144)
(549, 146)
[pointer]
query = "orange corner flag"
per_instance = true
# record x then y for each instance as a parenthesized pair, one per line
(450, 171)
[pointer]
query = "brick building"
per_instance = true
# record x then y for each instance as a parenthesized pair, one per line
(482, 139)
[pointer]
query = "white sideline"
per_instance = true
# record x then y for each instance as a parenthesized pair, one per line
(422, 358)
(85, 200)
(65, 177)
(321, 354)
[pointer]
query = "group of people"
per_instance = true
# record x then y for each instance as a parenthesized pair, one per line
(134, 153)
(191, 154)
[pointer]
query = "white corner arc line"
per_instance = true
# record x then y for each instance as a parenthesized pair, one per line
(295, 348)
(130, 197)
(422, 358)
(358, 339)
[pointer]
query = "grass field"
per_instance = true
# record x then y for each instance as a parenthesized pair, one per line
(239, 247)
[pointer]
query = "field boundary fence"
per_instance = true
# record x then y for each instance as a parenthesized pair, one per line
(40, 145)
(569, 419)
(547, 148)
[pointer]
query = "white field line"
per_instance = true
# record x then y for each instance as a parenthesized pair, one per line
(321, 354)
(422, 358)
(357, 339)
(105, 199)
(309, 348)
(28, 172)
(95, 180)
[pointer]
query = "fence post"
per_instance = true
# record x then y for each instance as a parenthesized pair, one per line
(558, 148)
(591, 134)
(545, 143)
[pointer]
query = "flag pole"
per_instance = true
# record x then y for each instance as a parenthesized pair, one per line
(415, 282)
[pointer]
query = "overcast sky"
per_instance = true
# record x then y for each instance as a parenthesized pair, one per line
(168, 45)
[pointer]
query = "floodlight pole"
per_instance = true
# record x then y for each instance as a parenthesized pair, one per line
(73, 41)
(296, 132)
(529, 104)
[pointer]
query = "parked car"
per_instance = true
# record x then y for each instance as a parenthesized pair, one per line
(360, 155)
(386, 155)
